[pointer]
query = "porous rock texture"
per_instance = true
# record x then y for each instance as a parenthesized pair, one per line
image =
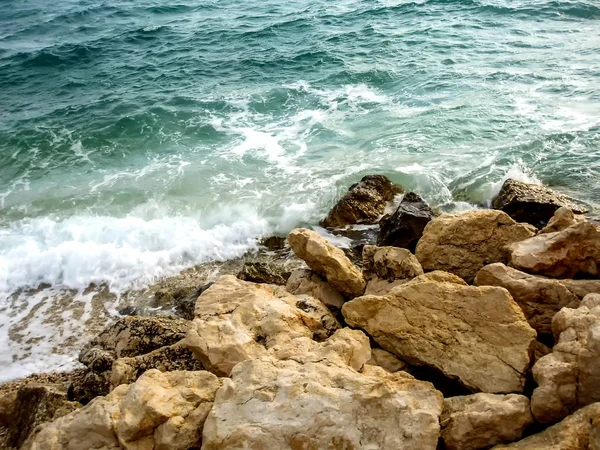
(328, 261)
(389, 263)
(463, 243)
(472, 422)
(580, 431)
(322, 402)
(476, 335)
(159, 411)
(237, 320)
(574, 251)
(364, 203)
(569, 377)
(531, 203)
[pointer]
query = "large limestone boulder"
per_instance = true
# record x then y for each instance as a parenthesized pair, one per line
(540, 298)
(477, 335)
(364, 203)
(405, 227)
(328, 261)
(478, 421)
(463, 243)
(531, 203)
(569, 377)
(580, 431)
(306, 282)
(562, 254)
(237, 320)
(323, 403)
(159, 411)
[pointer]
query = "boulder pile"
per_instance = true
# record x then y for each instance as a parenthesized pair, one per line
(343, 356)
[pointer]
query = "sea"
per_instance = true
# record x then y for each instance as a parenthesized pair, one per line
(141, 138)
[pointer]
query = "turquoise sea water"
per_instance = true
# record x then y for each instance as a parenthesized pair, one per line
(138, 138)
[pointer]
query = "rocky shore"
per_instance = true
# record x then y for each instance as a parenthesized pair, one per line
(473, 330)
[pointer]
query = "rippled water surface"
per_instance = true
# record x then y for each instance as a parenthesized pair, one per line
(138, 138)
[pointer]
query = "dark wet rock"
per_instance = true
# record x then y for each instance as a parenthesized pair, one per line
(273, 243)
(531, 203)
(264, 272)
(181, 300)
(34, 405)
(364, 203)
(405, 227)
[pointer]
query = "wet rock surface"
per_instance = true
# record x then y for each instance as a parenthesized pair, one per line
(364, 203)
(405, 226)
(531, 203)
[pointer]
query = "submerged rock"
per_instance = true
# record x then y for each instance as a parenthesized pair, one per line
(405, 227)
(530, 203)
(563, 254)
(328, 261)
(540, 298)
(463, 243)
(158, 411)
(364, 203)
(569, 377)
(237, 320)
(476, 335)
(580, 431)
(479, 421)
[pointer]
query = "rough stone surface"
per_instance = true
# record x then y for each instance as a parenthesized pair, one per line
(377, 286)
(539, 298)
(306, 282)
(531, 203)
(236, 320)
(463, 243)
(569, 377)
(322, 403)
(328, 261)
(389, 263)
(472, 422)
(476, 335)
(264, 272)
(580, 431)
(35, 404)
(405, 227)
(386, 360)
(563, 254)
(563, 218)
(159, 411)
(364, 203)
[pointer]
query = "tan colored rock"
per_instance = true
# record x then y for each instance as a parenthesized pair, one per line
(463, 243)
(386, 360)
(159, 411)
(563, 254)
(580, 431)
(306, 282)
(540, 298)
(328, 261)
(581, 288)
(563, 218)
(321, 405)
(237, 320)
(473, 422)
(540, 350)
(477, 335)
(389, 263)
(569, 377)
(377, 286)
